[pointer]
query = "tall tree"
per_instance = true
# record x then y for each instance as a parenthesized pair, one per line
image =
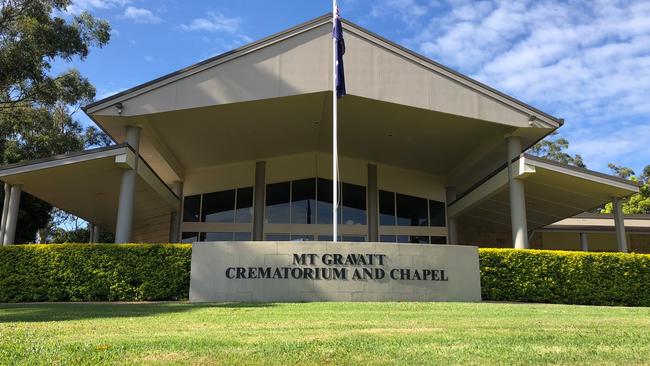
(621, 171)
(35, 106)
(638, 203)
(554, 147)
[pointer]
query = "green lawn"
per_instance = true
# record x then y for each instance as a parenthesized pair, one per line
(323, 333)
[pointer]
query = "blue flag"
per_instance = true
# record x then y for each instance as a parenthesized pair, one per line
(339, 75)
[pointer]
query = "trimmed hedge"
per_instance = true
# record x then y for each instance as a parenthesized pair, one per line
(565, 277)
(94, 272)
(137, 272)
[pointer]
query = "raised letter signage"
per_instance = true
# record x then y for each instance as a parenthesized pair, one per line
(325, 271)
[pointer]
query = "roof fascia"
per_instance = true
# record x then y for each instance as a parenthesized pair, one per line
(57, 160)
(591, 175)
(87, 155)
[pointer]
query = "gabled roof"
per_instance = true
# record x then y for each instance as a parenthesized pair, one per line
(429, 64)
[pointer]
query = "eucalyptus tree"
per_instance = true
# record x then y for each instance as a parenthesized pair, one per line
(36, 105)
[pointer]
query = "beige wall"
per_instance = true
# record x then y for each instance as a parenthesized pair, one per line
(471, 233)
(500, 237)
(598, 241)
(299, 166)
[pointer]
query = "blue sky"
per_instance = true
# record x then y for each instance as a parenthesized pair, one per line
(585, 61)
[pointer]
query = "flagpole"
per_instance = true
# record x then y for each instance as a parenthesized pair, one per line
(335, 148)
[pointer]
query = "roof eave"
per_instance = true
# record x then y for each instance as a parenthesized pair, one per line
(550, 121)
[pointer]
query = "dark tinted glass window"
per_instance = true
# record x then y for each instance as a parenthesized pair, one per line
(388, 238)
(189, 237)
(327, 237)
(438, 240)
(354, 238)
(437, 213)
(216, 236)
(243, 236)
(277, 203)
(300, 237)
(244, 208)
(353, 202)
(386, 208)
(324, 205)
(411, 211)
(303, 201)
(277, 237)
(403, 239)
(219, 207)
(192, 208)
(419, 239)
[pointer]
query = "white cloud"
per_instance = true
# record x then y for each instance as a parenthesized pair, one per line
(406, 10)
(586, 61)
(215, 22)
(621, 140)
(80, 5)
(140, 15)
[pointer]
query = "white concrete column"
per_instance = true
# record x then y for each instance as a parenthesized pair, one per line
(5, 208)
(619, 222)
(373, 204)
(452, 223)
(126, 202)
(517, 197)
(95, 231)
(12, 214)
(258, 200)
(584, 242)
(177, 216)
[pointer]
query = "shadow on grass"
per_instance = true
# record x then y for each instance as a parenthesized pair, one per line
(47, 312)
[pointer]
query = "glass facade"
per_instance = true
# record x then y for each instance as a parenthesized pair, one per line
(277, 237)
(278, 203)
(189, 237)
(325, 202)
(353, 204)
(231, 206)
(192, 208)
(303, 201)
(226, 236)
(396, 209)
(437, 216)
(309, 201)
(386, 208)
(438, 240)
(219, 207)
(413, 239)
(411, 211)
(306, 202)
(244, 206)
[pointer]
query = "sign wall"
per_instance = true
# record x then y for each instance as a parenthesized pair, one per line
(326, 271)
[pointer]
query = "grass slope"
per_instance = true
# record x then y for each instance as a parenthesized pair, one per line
(323, 333)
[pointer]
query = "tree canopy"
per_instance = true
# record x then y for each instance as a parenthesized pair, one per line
(638, 203)
(554, 147)
(36, 107)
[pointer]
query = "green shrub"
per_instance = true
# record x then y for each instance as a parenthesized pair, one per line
(137, 272)
(94, 272)
(565, 277)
